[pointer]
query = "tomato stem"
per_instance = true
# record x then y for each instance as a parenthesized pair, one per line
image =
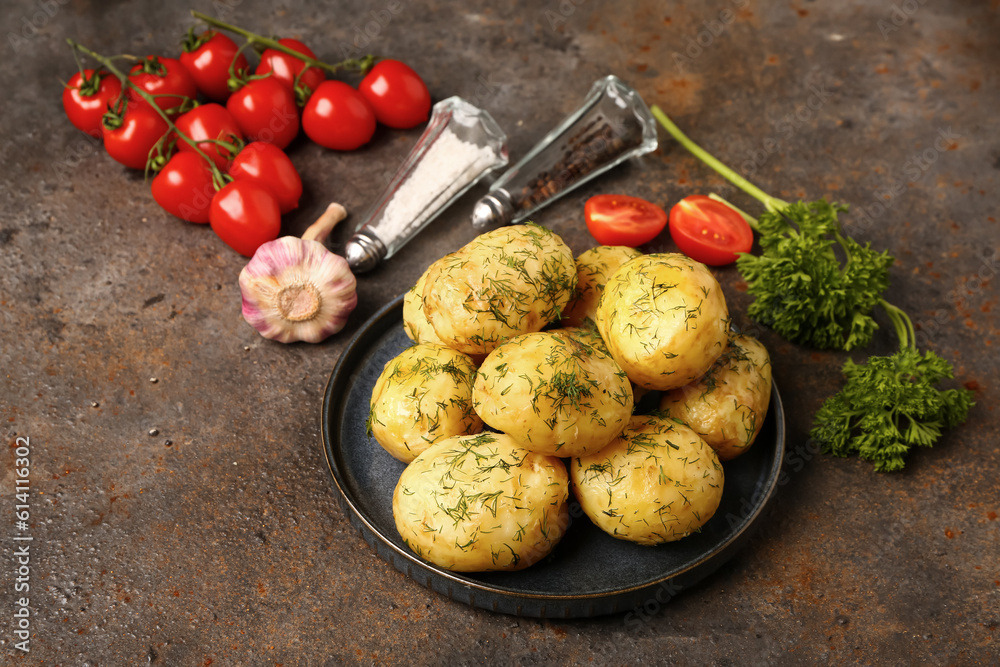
(191, 42)
(238, 78)
(233, 146)
(150, 99)
(769, 202)
(152, 65)
(79, 66)
(162, 148)
(302, 92)
(361, 65)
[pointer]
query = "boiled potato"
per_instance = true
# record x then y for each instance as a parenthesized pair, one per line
(593, 269)
(727, 405)
(587, 335)
(480, 503)
(664, 319)
(553, 394)
(415, 324)
(506, 282)
(656, 482)
(423, 395)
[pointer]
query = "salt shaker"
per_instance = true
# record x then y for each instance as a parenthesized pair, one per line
(461, 144)
(611, 126)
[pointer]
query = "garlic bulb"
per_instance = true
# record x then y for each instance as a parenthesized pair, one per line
(295, 289)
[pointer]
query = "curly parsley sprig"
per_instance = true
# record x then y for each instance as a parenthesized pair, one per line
(890, 404)
(808, 294)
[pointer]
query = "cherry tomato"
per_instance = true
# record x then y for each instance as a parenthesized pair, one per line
(623, 220)
(338, 117)
(131, 141)
(265, 110)
(268, 165)
(245, 215)
(162, 76)
(397, 94)
(86, 97)
(207, 59)
(708, 231)
(209, 121)
(285, 67)
(184, 187)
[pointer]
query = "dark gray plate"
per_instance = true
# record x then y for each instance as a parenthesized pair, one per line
(589, 573)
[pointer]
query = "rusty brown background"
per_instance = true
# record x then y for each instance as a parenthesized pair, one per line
(220, 541)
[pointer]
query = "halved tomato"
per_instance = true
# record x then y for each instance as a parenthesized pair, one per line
(623, 220)
(708, 231)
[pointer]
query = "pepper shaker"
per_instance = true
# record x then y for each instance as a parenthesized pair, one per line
(461, 144)
(612, 125)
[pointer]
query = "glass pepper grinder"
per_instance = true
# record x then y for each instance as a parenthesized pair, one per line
(611, 126)
(461, 144)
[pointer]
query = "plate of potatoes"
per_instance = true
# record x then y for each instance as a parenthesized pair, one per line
(549, 436)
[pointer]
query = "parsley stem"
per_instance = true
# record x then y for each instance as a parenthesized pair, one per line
(752, 221)
(842, 242)
(902, 323)
(769, 202)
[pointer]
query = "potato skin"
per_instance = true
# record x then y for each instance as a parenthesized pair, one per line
(415, 324)
(727, 405)
(664, 319)
(594, 268)
(423, 395)
(553, 394)
(586, 335)
(481, 503)
(655, 483)
(504, 283)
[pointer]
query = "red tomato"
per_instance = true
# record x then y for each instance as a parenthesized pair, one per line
(245, 215)
(623, 220)
(209, 121)
(162, 76)
(265, 110)
(285, 67)
(708, 231)
(268, 165)
(397, 94)
(131, 141)
(207, 59)
(184, 187)
(338, 117)
(86, 97)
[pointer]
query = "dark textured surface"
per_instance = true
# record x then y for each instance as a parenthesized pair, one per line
(228, 547)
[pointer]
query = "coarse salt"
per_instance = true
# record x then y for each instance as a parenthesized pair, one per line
(446, 168)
